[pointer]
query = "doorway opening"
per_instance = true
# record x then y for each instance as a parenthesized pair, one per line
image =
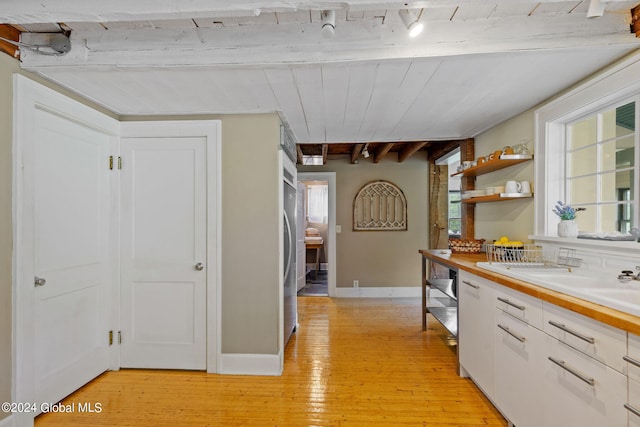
(316, 239)
(316, 228)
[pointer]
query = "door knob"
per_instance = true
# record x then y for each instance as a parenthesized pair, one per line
(199, 266)
(39, 281)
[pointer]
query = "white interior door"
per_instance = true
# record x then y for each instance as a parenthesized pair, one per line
(300, 230)
(164, 252)
(71, 197)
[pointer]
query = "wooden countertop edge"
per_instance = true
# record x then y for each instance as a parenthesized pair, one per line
(607, 315)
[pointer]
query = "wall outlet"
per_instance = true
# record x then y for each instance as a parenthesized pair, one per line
(356, 284)
(338, 229)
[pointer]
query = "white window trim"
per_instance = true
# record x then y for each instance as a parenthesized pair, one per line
(620, 81)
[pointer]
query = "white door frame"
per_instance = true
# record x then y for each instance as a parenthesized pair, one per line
(330, 177)
(29, 96)
(211, 129)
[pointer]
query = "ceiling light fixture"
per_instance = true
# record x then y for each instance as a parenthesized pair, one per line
(328, 19)
(412, 21)
(596, 9)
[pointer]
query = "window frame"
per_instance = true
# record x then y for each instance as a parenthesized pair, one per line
(598, 173)
(614, 85)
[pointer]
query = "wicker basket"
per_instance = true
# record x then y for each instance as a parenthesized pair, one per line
(465, 246)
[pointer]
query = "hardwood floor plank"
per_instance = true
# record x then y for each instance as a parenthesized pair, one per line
(352, 362)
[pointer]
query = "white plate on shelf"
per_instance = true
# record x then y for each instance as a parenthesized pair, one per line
(512, 195)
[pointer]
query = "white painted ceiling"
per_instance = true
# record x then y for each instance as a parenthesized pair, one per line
(476, 64)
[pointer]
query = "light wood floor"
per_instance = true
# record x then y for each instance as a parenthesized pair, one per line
(352, 362)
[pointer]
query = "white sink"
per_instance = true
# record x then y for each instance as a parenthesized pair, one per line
(600, 288)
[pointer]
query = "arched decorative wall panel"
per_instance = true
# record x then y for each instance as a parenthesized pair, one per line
(380, 206)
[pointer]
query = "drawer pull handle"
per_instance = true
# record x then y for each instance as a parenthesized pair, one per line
(471, 284)
(574, 333)
(634, 362)
(504, 328)
(633, 410)
(514, 305)
(572, 371)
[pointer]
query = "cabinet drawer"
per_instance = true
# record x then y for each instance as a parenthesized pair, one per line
(518, 365)
(633, 357)
(522, 306)
(580, 391)
(595, 339)
(633, 403)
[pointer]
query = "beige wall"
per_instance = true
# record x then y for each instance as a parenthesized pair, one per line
(250, 214)
(512, 218)
(379, 258)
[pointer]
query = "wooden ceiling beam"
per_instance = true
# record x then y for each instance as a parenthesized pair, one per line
(10, 33)
(635, 21)
(299, 154)
(355, 152)
(409, 150)
(379, 155)
(325, 151)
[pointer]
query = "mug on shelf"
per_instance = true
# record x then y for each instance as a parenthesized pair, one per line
(525, 187)
(512, 187)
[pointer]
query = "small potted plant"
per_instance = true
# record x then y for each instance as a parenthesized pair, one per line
(567, 226)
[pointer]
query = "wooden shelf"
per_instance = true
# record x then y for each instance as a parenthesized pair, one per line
(504, 161)
(498, 197)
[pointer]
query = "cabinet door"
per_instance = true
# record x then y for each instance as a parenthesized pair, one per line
(633, 405)
(519, 349)
(476, 342)
(582, 392)
(633, 402)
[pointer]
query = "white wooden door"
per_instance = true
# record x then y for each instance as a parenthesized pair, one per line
(71, 197)
(300, 230)
(163, 254)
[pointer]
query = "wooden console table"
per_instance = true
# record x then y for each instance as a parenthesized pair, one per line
(317, 246)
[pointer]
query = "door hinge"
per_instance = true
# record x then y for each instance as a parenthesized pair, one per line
(111, 337)
(111, 160)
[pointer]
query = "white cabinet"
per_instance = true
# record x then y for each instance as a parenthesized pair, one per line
(601, 342)
(579, 390)
(476, 342)
(543, 365)
(518, 365)
(633, 372)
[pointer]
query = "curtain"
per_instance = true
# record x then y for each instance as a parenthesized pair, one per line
(318, 203)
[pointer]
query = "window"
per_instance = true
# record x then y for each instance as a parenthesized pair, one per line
(587, 151)
(600, 168)
(317, 203)
(455, 214)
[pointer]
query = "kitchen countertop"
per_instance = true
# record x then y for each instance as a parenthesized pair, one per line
(467, 262)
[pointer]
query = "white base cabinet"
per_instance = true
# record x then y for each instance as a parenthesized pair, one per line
(633, 372)
(518, 383)
(580, 391)
(542, 365)
(476, 348)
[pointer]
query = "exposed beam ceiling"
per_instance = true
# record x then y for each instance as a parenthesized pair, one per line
(477, 64)
(378, 150)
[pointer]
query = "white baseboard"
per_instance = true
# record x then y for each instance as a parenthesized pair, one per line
(7, 422)
(381, 292)
(251, 364)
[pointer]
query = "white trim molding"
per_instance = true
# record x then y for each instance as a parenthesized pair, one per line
(7, 422)
(251, 364)
(380, 292)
